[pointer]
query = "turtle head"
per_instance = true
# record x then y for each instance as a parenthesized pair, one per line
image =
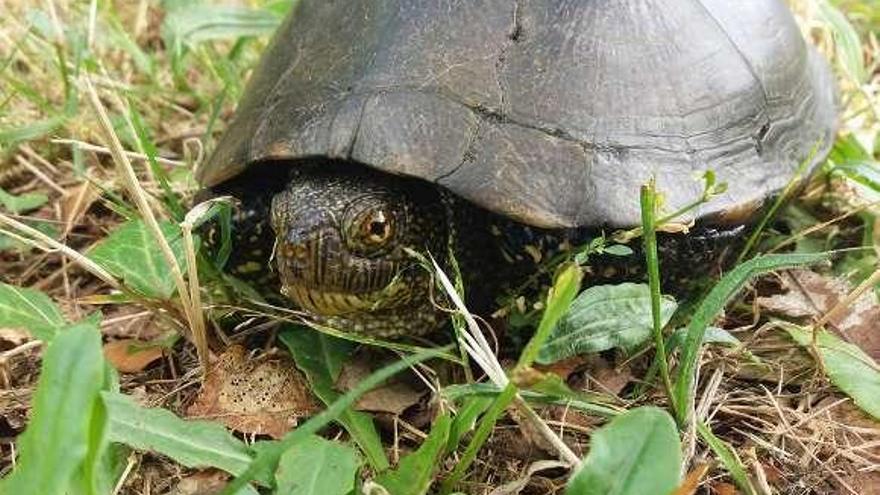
(342, 236)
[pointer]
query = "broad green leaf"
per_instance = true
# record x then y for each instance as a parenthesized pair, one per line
(317, 466)
(31, 310)
(191, 443)
(104, 462)
(712, 305)
(637, 453)
(603, 317)
(131, 253)
(22, 203)
(56, 441)
(415, 472)
(268, 456)
(848, 367)
(321, 357)
(728, 458)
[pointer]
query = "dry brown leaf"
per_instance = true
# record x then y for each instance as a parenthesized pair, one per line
(609, 378)
(208, 482)
(724, 489)
(809, 295)
(263, 396)
(692, 480)
(131, 356)
(394, 396)
(566, 367)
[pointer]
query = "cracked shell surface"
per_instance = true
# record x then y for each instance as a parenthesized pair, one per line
(552, 113)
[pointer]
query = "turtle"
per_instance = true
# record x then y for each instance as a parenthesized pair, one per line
(493, 133)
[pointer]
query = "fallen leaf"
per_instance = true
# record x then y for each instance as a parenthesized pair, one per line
(810, 295)
(724, 489)
(692, 481)
(264, 396)
(394, 396)
(208, 482)
(131, 356)
(565, 367)
(609, 378)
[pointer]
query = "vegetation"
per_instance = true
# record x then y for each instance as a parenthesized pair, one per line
(117, 376)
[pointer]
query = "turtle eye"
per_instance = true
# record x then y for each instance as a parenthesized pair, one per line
(376, 227)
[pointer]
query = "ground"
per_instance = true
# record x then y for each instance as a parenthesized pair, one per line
(106, 108)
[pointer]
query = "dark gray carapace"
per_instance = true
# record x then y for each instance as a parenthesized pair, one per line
(549, 112)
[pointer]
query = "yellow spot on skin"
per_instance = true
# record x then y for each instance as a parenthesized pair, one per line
(534, 252)
(249, 267)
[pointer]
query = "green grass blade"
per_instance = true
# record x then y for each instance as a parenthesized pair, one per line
(321, 357)
(484, 429)
(709, 309)
(728, 458)
(415, 472)
(56, 441)
(559, 300)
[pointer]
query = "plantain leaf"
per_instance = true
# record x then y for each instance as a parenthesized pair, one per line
(636, 453)
(132, 254)
(603, 317)
(31, 310)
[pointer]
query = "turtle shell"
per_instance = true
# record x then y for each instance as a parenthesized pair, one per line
(551, 113)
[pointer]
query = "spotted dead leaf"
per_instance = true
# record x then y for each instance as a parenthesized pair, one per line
(394, 396)
(264, 396)
(131, 356)
(809, 295)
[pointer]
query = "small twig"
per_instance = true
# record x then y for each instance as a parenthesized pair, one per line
(39, 174)
(106, 151)
(45, 243)
(6, 355)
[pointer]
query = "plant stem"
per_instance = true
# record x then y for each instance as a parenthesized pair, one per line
(648, 201)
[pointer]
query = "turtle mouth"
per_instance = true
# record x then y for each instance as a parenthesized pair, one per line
(333, 303)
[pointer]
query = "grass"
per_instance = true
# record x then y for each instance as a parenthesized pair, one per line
(105, 108)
